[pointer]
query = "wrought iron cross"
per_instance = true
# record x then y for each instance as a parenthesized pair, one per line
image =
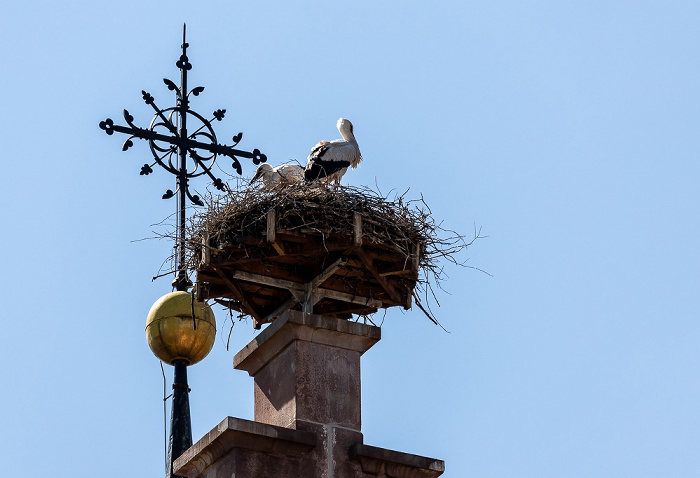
(171, 142)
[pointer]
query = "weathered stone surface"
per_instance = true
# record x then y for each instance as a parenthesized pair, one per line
(252, 437)
(331, 457)
(329, 393)
(394, 464)
(307, 367)
(294, 325)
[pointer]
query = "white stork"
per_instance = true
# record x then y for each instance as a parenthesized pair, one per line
(329, 160)
(279, 176)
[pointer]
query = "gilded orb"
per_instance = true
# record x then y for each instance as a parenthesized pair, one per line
(173, 333)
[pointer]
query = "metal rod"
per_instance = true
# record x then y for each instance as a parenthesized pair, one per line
(181, 283)
(180, 422)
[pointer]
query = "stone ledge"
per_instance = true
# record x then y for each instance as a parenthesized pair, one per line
(237, 433)
(395, 464)
(295, 325)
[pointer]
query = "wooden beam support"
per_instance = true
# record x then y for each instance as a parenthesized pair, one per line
(397, 273)
(271, 229)
(241, 297)
(416, 257)
(283, 307)
(299, 287)
(278, 247)
(357, 230)
(329, 271)
(311, 296)
(271, 233)
(386, 285)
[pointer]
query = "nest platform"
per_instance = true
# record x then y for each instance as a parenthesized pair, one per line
(335, 252)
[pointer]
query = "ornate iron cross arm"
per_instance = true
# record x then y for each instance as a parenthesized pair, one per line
(171, 143)
(162, 152)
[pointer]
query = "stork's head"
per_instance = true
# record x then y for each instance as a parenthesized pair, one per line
(345, 128)
(263, 170)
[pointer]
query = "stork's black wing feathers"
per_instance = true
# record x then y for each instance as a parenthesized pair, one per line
(321, 168)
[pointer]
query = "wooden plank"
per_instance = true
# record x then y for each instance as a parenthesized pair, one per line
(296, 286)
(271, 281)
(385, 284)
(250, 310)
(311, 292)
(299, 272)
(357, 230)
(403, 272)
(270, 235)
(332, 309)
(278, 247)
(353, 299)
(356, 288)
(416, 257)
(329, 271)
(284, 306)
(271, 225)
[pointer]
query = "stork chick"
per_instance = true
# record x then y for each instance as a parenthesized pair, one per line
(279, 176)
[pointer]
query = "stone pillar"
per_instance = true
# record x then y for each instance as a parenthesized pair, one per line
(307, 370)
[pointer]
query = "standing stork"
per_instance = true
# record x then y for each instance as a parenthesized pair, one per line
(329, 160)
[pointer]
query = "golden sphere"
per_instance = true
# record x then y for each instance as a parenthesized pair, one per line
(171, 332)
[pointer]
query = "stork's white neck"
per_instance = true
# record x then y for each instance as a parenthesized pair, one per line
(345, 128)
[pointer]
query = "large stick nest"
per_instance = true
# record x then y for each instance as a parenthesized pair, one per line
(401, 251)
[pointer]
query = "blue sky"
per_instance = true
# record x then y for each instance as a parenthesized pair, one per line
(568, 131)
